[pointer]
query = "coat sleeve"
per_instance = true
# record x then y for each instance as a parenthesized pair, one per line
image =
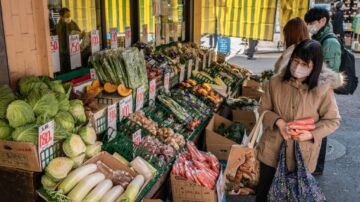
(329, 117)
(332, 54)
(266, 104)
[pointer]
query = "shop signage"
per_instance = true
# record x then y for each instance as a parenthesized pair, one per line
(75, 55)
(95, 41)
(145, 33)
(152, 90)
(45, 141)
(125, 107)
(182, 73)
(190, 64)
(140, 98)
(167, 82)
(93, 73)
(113, 38)
(112, 120)
(136, 137)
(224, 45)
(55, 53)
(127, 37)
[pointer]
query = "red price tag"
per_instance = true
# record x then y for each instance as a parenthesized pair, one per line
(127, 37)
(166, 82)
(125, 107)
(54, 45)
(140, 98)
(136, 137)
(74, 44)
(45, 141)
(113, 38)
(152, 90)
(112, 116)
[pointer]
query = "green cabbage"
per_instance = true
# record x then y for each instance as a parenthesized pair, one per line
(78, 160)
(19, 113)
(27, 84)
(73, 146)
(43, 103)
(64, 103)
(5, 130)
(27, 133)
(88, 134)
(93, 150)
(60, 133)
(56, 86)
(6, 97)
(78, 111)
(42, 119)
(65, 121)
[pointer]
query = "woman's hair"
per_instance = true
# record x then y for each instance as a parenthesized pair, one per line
(308, 51)
(63, 11)
(295, 31)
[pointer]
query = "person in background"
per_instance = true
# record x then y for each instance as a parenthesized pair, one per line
(302, 89)
(251, 50)
(63, 29)
(338, 21)
(294, 32)
(317, 20)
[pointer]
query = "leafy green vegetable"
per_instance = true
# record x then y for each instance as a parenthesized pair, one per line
(56, 86)
(88, 134)
(42, 119)
(5, 130)
(6, 97)
(19, 113)
(77, 110)
(48, 183)
(65, 121)
(60, 133)
(43, 103)
(74, 146)
(64, 103)
(27, 84)
(58, 168)
(27, 133)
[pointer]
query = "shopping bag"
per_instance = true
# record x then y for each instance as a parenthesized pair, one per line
(242, 170)
(297, 186)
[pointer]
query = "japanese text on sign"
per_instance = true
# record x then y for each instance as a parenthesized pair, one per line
(74, 46)
(125, 107)
(136, 137)
(166, 82)
(45, 140)
(127, 37)
(152, 90)
(112, 117)
(95, 41)
(140, 98)
(113, 38)
(182, 73)
(189, 68)
(55, 53)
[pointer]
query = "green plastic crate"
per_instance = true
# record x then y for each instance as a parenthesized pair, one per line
(50, 153)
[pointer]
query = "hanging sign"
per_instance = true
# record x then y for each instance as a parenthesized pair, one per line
(182, 73)
(55, 53)
(75, 55)
(190, 64)
(152, 90)
(145, 33)
(95, 41)
(111, 120)
(93, 73)
(158, 34)
(127, 37)
(140, 98)
(167, 36)
(136, 137)
(183, 31)
(167, 82)
(125, 107)
(113, 38)
(45, 141)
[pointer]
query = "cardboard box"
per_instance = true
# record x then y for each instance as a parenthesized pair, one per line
(252, 89)
(217, 144)
(248, 118)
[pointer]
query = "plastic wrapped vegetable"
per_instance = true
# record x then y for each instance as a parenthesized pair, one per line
(133, 189)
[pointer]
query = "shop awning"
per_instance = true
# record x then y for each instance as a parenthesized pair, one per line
(292, 9)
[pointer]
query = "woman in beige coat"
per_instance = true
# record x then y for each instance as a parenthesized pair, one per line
(303, 89)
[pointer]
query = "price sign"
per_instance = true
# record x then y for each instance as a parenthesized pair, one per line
(93, 73)
(204, 62)
(125, 107)
(113, 38)
(140, 98)
(112, 116)
(127, 37)
(166, 82)
(183, 31)
(152, 90)
(45, 140)
(95, 41)
(75, 55)
(182, 73)
(158, 34)
(167, 37)
(197, 64)
(190, 64)
(145, 34)
(55, 53)
(136, 137)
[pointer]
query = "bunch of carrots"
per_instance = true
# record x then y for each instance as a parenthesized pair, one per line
(297, 127)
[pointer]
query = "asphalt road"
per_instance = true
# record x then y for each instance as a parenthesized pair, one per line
(341, 178)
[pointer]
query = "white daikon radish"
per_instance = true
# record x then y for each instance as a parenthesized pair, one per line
(84, 186)
(99, 191)
(133, 189)
(141, 167)
(113, 194)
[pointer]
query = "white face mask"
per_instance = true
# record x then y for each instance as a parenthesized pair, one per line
(67, 20)
(313, 29)
(299, 71)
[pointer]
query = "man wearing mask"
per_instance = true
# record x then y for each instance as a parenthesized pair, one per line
(318, 24)
(63, 29)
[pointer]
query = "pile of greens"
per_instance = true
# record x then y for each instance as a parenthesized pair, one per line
(39, 100)
(234, 132)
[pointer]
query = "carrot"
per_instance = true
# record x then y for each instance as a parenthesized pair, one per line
(293, 132)
(302, 127)
(304, 121)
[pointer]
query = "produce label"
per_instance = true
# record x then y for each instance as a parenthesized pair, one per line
(158, 34)
(204, 62)
(125, 107)
(140, 98)
(166, 82)
(95, 41)
(183, 31)
(152, 90)
(145, 34)
(167, 36)
(197, 64)
(45, 143)
(55, 53)
(93, 73)
(182, 73)
(113, 38)
(112, 116)
(136, 137)
(190, 64)
(75, 55)
(127, 37)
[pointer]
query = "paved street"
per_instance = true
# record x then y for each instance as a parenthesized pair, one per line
(341, 178)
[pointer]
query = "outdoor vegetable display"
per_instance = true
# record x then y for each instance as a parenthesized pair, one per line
(243, 103)
(234, 132)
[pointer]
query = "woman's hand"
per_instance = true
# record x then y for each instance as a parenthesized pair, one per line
(281, 124)
(304, 136)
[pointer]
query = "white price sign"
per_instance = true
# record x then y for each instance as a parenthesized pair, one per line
(167, 37)
(152, 90)
(136, 137)
(140, 98)
(183, 31)
(45, 140)
(125, 107)
(127, 37)
(167, 82)
(145, 33)
(55, 53)
(190, 64)
(75, 55)
(197, 64)
(113, 38)
(158, 34)
(112, 116)
(93, 73)
(95, 41)
(182, 73)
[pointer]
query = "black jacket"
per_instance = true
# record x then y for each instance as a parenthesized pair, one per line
(337, 22)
